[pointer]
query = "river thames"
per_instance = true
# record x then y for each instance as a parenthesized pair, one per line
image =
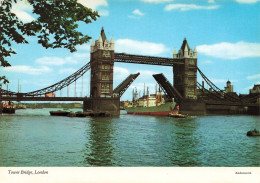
(33, 138)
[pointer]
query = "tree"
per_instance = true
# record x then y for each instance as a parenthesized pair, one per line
(57, 21)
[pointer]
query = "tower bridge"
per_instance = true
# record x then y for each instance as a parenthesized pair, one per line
(191, 95)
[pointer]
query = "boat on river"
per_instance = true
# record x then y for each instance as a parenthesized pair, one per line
(153, 104)
(253, 133)
(8, 107)
(175, 113)
(59, 113)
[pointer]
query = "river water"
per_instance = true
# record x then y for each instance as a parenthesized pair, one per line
(33, 138)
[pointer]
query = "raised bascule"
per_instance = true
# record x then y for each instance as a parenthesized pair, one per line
(192, 96)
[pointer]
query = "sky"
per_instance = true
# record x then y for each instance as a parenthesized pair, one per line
(226, 34)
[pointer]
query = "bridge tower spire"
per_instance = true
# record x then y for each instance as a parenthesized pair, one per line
(101, 83)
(185, 76)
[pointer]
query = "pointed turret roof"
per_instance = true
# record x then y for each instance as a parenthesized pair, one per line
(103, 35)
(184, 44)
(100, 39)
(112, 40)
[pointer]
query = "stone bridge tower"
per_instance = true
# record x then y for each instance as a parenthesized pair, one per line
(101, 84)
(102, 65)
(185, 76)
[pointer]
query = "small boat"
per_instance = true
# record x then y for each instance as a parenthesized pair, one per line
(174, 115)
(253, 133)
(59, 113)
(8, 107)
(9, 110)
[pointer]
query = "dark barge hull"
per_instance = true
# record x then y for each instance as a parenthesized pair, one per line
(9, 110)
(59, 113)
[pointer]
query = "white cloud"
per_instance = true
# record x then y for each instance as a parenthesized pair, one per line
(93, 3)
(247, 1)
(207, 62)
(24, 16)
(67, 71)
(211, 1)
(231, 51)
(55, 60)
(138, 12)
(157, 1)
(146, 74)
(22, 11)
(81, 56)
(257, 76)
(121, 73)
(186, 7)
(84, 47)
(103, 12)
(28, 69)
(140, 47)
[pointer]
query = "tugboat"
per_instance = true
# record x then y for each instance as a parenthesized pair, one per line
(8, 107)
(175, 113)
(253, 133)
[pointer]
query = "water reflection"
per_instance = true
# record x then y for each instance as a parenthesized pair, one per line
(185, 143)
(99, 149)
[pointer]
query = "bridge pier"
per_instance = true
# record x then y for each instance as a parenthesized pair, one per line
(111, 105)
(193, 107)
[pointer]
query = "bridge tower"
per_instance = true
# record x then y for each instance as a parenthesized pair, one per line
(102, 64)
(185, 76)
(101, 84)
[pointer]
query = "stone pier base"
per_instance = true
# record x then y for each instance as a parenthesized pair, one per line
(111, 105)
(193, 108)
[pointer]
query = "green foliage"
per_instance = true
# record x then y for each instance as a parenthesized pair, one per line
(57, 19)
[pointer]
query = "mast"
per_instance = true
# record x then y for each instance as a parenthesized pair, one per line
(147, 96)
(144, 89)
(133, 95)
(156, 101)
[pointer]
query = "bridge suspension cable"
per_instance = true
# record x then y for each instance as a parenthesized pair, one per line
(218, 93)
(61, 84)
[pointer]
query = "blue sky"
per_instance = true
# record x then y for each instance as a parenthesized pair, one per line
(225, 33)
